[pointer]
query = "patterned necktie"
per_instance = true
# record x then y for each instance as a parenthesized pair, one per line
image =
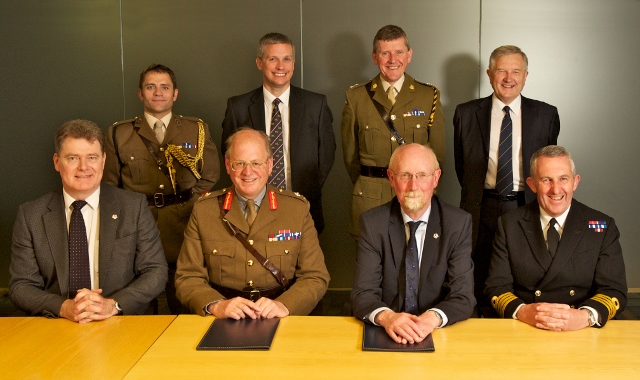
(553, 237)
(158, 130)
(79, 270)
(251, 211)
(391, 95)
(412, 270)
(504, 179)
(276, 141)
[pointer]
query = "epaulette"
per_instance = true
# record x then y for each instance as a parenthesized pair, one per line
(292, 194)
(128, 121)
(427, 84)
(361, 84)
(212, 194)
(191, 118)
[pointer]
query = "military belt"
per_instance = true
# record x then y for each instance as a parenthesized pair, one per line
(373, 171)
(161, 200)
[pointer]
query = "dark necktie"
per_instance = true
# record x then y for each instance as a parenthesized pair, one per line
(553, 237)
(504, 178)
(412, 270)
(276, 142)
(79, 270)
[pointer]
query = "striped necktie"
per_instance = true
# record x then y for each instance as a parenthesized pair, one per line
(276, 141)
(504, 178)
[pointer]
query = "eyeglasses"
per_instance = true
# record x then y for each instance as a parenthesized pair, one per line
(406, 177)
(240, 165)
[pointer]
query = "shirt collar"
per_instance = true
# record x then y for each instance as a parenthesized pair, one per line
(257, 200)
(397, 85)
(423, 218)
(151, 120)
(545, 218)
(497, 105)
(269, 97)
(92, 200)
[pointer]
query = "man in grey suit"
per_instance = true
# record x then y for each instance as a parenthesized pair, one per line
(308, 143)
(410, 293)
(113, 265)
(478, 144)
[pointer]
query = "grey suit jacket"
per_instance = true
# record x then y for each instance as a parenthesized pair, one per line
(133, 269)
(312, 143)
(446, 269)
(472, 131)
(588, 262)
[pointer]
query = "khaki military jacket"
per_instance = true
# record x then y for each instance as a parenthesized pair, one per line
(366, 140)
(212, 254)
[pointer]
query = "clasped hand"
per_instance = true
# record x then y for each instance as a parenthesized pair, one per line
(88, 305)
(241, 308)
(407, 328)
(553, 316)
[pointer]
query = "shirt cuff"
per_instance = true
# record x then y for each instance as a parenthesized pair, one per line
(595, 314)
(442, 315)
(372, 316)
(206, 307)
(516, 312)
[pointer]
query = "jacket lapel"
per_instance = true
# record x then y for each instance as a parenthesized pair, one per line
(256, 110)
(378, 93)
(398, 242)
(296, 114)
(483, 117)
(145, 130)
(173, 131)
(265, 217)
(109, 220)
(55, 225)
(530, 225)
(431, 247)
(406, 93)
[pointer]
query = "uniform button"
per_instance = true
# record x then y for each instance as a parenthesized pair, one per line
(132, 158)
(161, 187)
(366, 127)
(214, 251)
(393, 117)
(538, 293)
(162, 149)
(159, 168)
(250, 283)
(251, 242)
(286, 251)
(250, 262)
(572, 292)
(393, 138)
(417, 125)
(360, 193)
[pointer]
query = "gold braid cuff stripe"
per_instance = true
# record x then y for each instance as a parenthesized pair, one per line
(187, 160)
(500, 302)
(611, 303)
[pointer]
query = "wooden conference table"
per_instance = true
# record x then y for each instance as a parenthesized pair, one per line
(163, 347)
(330, 348)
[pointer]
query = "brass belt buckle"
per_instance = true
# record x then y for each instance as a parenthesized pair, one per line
(254, 294)
(158, 199)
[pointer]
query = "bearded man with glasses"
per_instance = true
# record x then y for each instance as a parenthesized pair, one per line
(251, 251)
(414, 271)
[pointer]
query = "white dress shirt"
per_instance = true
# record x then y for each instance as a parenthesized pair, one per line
(497, 114)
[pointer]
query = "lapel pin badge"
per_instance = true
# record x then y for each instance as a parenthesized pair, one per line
(435, 236)
(114, 216)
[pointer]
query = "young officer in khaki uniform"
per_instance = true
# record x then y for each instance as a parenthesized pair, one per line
(188, 162)
(367, 143)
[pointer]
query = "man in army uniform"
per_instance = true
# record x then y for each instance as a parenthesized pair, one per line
(391, 100)
(251, 242)
(169, 158)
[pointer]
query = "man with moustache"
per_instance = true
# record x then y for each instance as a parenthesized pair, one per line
(297, 121)
(168, 157)
(251, 251)
(557, 264)
(88, 251)
(413, 271)
(379, 115)
(494, 137)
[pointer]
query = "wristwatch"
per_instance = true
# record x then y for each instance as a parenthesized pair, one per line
(592, 318)
(117, 305)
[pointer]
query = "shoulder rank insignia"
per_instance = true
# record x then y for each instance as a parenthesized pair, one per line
(227, 201)
(273, 202)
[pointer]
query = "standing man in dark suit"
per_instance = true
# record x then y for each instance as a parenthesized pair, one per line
(489, 189)
(297, 121)
(88, 251)
(557, 264)
(168, 157)
(412, 107)
(414, 271)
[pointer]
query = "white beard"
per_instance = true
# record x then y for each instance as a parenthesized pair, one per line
(414, 200)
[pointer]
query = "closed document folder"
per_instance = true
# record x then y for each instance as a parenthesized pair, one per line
(244, 334)
(375, 338)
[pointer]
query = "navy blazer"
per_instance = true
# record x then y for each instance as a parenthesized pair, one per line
(133, 270)
(446, 269)
(587, 262)
(472, 131)
(312, 143)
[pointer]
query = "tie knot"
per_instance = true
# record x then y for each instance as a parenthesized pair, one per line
(552, 223)
(158, 124)
(506, 110)
(276, 101)
(78, 205)
(413, 226)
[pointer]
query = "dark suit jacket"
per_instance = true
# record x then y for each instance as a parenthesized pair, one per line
(311, 140)
(472, 130)
(133, 269)
(586, 263)
(446, 270)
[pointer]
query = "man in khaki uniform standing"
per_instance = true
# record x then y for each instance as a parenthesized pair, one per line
(412, 107)
(170, 158)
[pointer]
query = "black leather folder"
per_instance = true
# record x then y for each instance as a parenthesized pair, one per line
(375, 338)
(244, 334)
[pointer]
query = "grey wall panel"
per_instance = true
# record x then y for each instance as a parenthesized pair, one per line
(337, 40)
(59, 61)
(583, 58)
